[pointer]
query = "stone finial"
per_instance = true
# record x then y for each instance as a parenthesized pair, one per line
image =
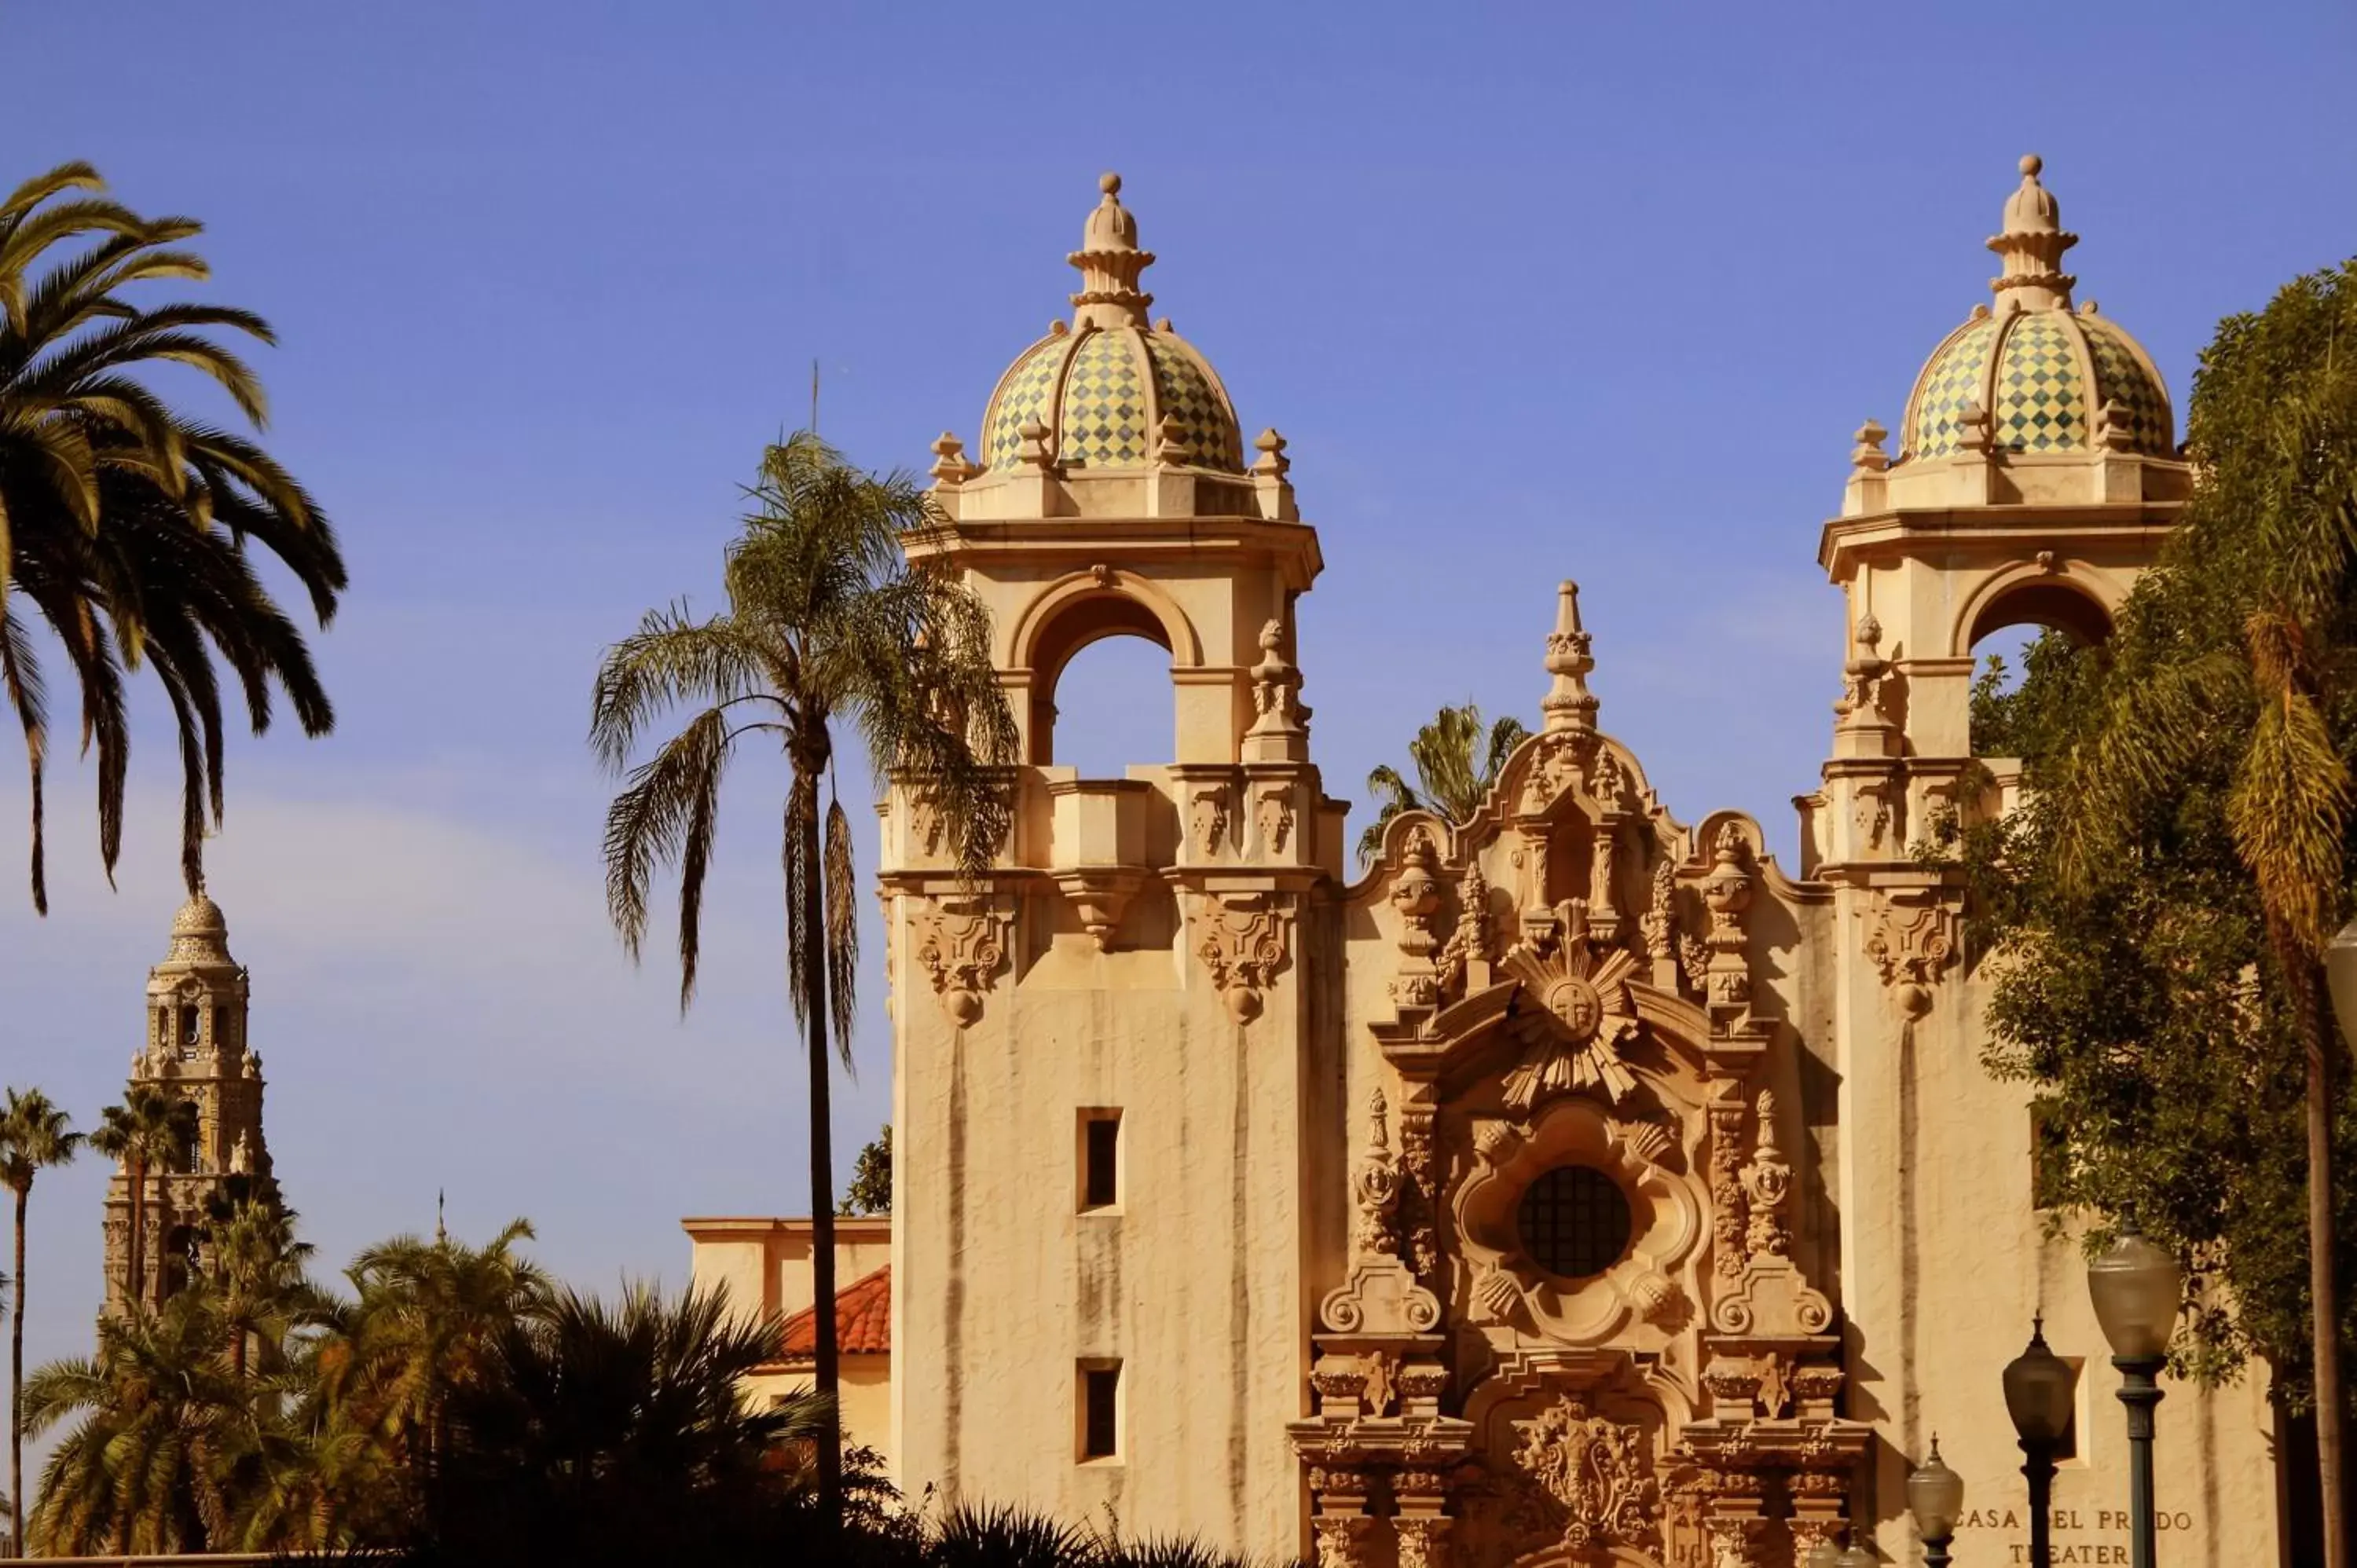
(1171, 447)
(1568, 704)
(1031, 452)
(950, 467)
(1867, 456)
(1110, 265)
(1271, 460)
(2114, 431)
(2032, 245)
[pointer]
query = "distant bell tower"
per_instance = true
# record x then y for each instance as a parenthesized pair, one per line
(196, 1051)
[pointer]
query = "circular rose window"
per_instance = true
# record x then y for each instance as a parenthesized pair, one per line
(1575, 1222)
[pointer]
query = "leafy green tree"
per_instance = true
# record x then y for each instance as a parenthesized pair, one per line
(126, 524)
(146, 1133)
(870, 1191)
(827, 621)
(34, 1136)
(1456, 764)
(2162, 899)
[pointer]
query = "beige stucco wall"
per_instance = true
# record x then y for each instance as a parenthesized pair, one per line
(763, 1265)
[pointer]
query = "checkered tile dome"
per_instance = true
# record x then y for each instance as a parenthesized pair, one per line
(2042, 376)
(1103, 392)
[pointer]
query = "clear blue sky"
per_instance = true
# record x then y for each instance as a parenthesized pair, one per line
(1535, 292)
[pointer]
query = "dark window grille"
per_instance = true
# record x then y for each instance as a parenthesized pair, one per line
(1101, 1185)
(1575, 1222)
(1101, 1420)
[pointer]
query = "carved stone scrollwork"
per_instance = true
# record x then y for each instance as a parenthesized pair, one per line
(1415, 895)
(1378, 1186)
(1342, 1539)
(1209, 823)
(1727, 1201)
(1727, 892)
(1420, 1200)
(1423, 1542)
(1243, 941)
(1766, 1183)
(1464, 962)
(1597, 1472)
(1911, 940)
(1276, 816)
(960, 943)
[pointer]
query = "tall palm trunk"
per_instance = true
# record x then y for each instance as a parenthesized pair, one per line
(134, 1279)
(2331, 1449)
(17, 1392)
(813, 959)
(163, 1231)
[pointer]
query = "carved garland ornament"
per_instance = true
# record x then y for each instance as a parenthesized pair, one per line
(961, 944)
(1242, 940)
(1597, 1471)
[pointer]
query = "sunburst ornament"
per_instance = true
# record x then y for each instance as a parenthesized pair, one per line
(1573, 1037)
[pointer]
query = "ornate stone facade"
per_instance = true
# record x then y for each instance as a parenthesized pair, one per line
(1571, 1184)
(196, 1051)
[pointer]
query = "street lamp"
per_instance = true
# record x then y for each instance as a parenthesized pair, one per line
(2038, 1386)
(1857, 1556)
(1824, 1555)
(2136, 1289)
(1935, 1495)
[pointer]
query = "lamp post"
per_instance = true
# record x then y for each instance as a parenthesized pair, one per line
(2037, 1390)
(2136, 1289)
(1935, 1495)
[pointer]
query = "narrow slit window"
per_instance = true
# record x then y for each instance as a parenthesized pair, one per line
(1101, 1411)
(1101, 1160)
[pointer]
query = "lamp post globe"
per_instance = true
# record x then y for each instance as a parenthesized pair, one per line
(2038, 1391)
(2137, 1288)
(1824, 1555)
(1935, 1495)
(1857, 1557)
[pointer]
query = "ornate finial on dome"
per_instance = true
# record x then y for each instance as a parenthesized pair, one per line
(1110, 264)
(1568, 704)
(200, 932)
(2031, 246)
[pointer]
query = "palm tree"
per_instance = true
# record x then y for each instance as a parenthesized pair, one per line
(146, 1133)
(826, 619)
(1455, 767)
(617, 1432)
(124, 522)
(34, 1136)
(429, 1318)
(258, 1279)
(150, 1467)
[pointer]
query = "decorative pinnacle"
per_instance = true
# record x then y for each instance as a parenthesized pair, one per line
(1110, 265)
(1568, 704)
(2032, 245)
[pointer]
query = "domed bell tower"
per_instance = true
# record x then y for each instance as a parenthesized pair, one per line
(197, 1052)
(1103, 1049)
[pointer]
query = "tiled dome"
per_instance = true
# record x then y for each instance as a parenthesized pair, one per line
(1112, 387)
(2041, 371)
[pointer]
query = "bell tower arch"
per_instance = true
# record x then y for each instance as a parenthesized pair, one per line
(2036, 476)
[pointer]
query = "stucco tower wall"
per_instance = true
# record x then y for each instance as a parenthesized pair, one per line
(1005, 1288)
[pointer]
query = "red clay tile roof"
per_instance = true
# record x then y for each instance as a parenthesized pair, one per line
(863, 1320)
